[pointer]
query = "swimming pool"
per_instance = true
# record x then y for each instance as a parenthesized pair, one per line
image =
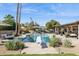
(44, 37)
(33, 37)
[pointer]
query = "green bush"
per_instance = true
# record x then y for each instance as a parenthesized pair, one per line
(67, 43)
(11, 45)
(19, 45)
(55, 42)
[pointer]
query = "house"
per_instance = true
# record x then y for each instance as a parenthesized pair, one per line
(71, 28)
(4, 29)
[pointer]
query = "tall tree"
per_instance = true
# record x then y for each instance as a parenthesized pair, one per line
(48, 25)
(18, 18)
(51, 24)
(54, 22)
(9, 19)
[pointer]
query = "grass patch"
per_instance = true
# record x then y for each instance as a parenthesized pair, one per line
(68, 54)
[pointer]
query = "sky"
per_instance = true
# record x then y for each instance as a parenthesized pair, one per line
(43, 12)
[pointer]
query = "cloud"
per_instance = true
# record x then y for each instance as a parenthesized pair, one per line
(29, 10)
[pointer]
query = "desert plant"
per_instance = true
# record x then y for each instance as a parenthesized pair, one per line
(55, 42)
(11, 45)
(19, 45)
(67, 43)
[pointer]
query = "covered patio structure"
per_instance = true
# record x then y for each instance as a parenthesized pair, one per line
(4, 29)
(71, 28)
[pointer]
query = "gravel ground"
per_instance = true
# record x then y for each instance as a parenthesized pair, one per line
(75, 43)
(34, 48)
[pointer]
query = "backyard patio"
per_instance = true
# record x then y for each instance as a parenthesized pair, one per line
(34, 48)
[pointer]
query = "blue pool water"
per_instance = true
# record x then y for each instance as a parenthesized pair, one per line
(33, 38)
(44, 37)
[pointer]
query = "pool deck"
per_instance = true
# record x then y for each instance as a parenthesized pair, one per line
(34, 48)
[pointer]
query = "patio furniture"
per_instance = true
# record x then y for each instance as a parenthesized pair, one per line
(72, 35)
(7, 36)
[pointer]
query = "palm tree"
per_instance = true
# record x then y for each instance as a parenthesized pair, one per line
(18, 17)
(19, 26)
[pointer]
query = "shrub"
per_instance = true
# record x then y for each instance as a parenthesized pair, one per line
(19, 45)
(11, 45)
(67, 43)
(55, 42)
